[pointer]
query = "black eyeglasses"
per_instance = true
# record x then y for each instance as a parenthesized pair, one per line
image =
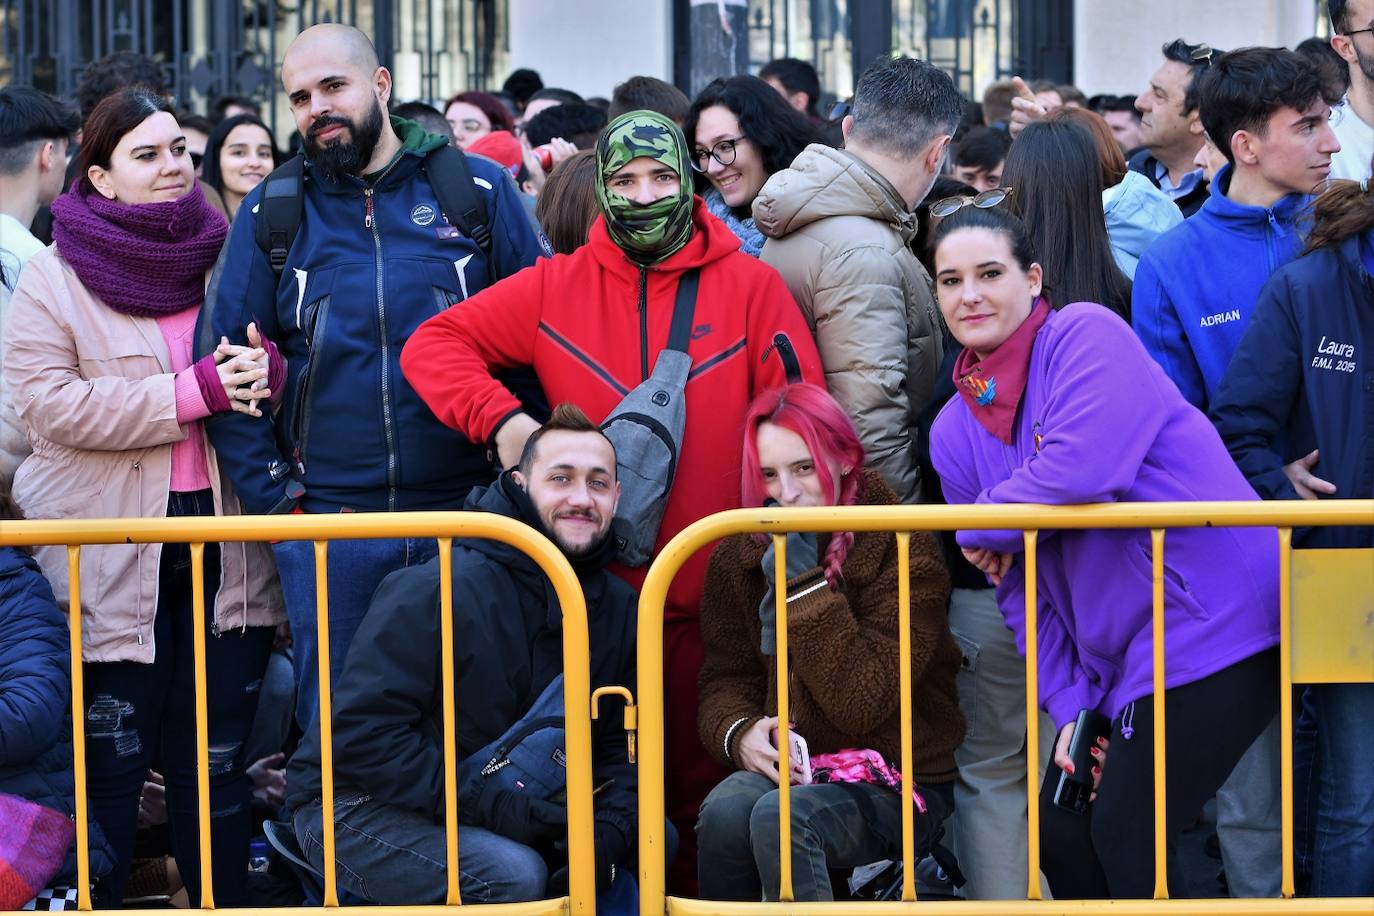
(1352, 34)
(723, 152)
(987, 199)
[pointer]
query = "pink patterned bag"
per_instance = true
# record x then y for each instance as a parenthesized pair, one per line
(33, 842)
(852, 765)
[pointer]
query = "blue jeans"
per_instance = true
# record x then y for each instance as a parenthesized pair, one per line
(390, 856)
(834, 825)
(140, 716)
(356, 568)
(1343, 846)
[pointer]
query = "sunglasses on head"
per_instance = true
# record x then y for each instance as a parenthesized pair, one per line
(983, 201)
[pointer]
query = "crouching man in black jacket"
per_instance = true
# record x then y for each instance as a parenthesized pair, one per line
(388, 703)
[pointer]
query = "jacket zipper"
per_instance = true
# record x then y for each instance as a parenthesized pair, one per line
(370, 222)
(1271, 239)
(643, 323)
(300, 420)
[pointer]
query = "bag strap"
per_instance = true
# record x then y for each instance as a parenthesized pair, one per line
(451, 179)
(279, 218)
(684, 310)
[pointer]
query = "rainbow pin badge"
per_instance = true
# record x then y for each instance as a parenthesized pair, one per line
(984, 390)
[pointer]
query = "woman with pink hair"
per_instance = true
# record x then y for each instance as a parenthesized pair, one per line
(801, 449)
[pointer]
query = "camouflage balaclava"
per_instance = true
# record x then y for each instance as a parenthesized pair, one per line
(648, 233)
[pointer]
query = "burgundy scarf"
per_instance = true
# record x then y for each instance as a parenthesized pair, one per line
(992, 387)
(144, 260)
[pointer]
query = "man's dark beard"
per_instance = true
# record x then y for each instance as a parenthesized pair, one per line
(345, 157)
(1366, 62)
(587, 550)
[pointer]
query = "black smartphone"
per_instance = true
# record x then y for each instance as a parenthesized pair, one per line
(1074, 789)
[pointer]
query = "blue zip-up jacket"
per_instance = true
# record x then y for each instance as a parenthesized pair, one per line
(1196, 287)
(1304, 374)
(372, 260)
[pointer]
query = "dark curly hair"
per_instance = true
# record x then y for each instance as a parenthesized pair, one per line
(775, 128)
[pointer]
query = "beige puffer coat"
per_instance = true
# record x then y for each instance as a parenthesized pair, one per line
(838, 233)
(95, 393)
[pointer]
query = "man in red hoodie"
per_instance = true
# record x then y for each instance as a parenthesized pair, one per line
(592, 324)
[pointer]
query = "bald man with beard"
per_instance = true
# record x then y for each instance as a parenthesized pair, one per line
(373, 257)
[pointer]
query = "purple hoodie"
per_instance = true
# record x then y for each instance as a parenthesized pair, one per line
(1113, 428)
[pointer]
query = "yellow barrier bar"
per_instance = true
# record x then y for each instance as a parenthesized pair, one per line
(908, 754)
(577, 691)
(1287, 883)
(449, 681)
(326, 694)
(1157, 623)
(1294, 513)
(784, 724)
(83, 816)
(1031, 541)
(1274, 906)
(207, 882)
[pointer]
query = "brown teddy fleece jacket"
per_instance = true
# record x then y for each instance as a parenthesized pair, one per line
(844, 683)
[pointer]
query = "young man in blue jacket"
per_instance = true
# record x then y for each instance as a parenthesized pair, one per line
(1197, 284)
(374, 256)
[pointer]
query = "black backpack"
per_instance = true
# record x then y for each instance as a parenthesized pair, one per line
(283, 200)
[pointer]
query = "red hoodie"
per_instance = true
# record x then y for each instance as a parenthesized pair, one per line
(591, 324)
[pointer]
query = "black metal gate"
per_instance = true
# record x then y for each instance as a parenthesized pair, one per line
(209, 48)
(976, 41)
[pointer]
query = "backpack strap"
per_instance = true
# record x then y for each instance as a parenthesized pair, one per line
(684, 310)
(451, 179)
(279, 215)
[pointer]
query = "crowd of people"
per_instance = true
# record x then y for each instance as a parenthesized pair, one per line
(608, 319)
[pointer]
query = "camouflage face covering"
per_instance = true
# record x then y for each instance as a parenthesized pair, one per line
(647, 232)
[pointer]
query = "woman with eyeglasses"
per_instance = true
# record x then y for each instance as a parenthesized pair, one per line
(473, 115)
(1053, 166)
(742, 132)
(1065, 407)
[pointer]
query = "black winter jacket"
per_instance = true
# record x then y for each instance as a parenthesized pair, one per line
(35, 702)
(1304, 376)
(508, 635)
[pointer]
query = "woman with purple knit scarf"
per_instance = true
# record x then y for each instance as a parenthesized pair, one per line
(98, 359)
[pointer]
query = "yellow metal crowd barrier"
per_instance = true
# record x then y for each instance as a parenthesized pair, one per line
(321, 529)
(1335, 647)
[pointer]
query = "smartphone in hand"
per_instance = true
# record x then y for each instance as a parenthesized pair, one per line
(1075, 789)
(800, 758)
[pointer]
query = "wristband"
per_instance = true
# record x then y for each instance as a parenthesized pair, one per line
(729, 732)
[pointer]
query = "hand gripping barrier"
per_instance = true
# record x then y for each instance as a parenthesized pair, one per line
(444, 526)
(1328, 641)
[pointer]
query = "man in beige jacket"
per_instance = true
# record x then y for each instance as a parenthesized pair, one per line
(838, 224)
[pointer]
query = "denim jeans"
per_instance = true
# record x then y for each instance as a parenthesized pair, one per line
(390, 856)
(834, 825)
(988, 826)
(1343, 846)
(356, 568)
(140, 715)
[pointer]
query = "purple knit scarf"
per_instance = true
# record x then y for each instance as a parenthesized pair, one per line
(144, 260)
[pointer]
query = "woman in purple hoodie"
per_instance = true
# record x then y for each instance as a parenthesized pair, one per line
(1064, 406)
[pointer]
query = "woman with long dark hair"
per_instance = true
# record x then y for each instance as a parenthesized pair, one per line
(1299, 381)
(238, 156)
(801, 449)
(99, 357)
(742, 132)
(1064, 407)
(1056, 181)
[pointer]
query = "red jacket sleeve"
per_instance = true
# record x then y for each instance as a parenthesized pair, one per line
(773, 311)
(450, 359)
